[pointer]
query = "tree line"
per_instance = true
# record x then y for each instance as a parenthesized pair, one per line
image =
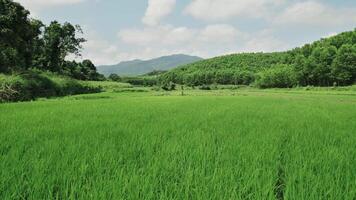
(27, 43)
(327, 62)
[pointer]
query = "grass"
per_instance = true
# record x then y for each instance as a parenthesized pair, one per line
(224, 144)
(107, 85)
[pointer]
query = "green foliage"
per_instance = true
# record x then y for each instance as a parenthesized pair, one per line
(115, 77)
(319, 64)
(278, 76)
(344, 65)
(156, 73)
(205, 87)
(59, 41)
(169, 86)
(34, 84)
(108, 86)
(82, 71)
(17, 35)
(140, 80)
(27, 43)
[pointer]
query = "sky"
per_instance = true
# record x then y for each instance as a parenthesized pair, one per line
(121, 30)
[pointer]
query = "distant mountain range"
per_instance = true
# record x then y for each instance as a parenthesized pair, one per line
(140, 67)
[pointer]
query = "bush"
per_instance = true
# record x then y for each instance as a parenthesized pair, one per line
(115, 77)
(34, 84)
(13, 88)
(205, 87)
(140, 81)
(169, 86)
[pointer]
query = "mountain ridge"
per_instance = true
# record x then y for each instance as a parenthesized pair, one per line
(139, 67)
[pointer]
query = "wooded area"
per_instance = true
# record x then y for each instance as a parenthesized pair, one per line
(328, 62)
(26, 43)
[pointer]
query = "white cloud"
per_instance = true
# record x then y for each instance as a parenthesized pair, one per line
(282, 25)
(163, 35)
(97, 49)
(169, 35)
(147, 43)
(220, 33)
(157, 9)
(212, 40)
(278, 12)
(212, 10)
(314, 13)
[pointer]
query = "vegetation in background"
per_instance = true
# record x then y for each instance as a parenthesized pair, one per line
(327, 62)
(27, 43)
(114, 77)
(278, 76)
(33, 84)
(33, 57)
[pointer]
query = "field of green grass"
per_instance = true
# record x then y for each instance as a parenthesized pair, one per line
(143, 144)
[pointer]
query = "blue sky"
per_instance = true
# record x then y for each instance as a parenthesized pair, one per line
(119, 30)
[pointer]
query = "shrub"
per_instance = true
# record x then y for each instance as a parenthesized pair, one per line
(169, 86)
(205, 87)
(115, 77)
(33, 84)
(140, 81)
(13, 88)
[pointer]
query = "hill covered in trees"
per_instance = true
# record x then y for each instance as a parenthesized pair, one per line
(327, 62)
(140, 67)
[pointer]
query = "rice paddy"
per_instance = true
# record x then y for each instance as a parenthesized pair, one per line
(160, 145)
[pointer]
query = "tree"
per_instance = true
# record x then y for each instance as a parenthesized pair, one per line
(89, 69)
(344, 65)
(115, 77)
(85, 70)
(321, 60)
(17, 34)
(58, 42)
(278, 76)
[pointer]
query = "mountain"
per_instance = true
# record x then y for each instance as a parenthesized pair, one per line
(140, 67)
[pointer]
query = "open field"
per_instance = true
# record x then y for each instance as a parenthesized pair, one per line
(223, 144)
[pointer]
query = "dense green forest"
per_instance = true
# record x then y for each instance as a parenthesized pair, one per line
(27, 43)
(327, 62)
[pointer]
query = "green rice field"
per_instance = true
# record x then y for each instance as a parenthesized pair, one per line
(142, 144)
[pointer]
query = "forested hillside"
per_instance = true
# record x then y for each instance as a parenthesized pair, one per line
(327, 62)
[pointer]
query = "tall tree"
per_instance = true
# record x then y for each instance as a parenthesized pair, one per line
(344, 65)
(60, 41)
(17, 34)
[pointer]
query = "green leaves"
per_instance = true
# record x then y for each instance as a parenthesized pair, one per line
(278, 76)
(344, 65)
